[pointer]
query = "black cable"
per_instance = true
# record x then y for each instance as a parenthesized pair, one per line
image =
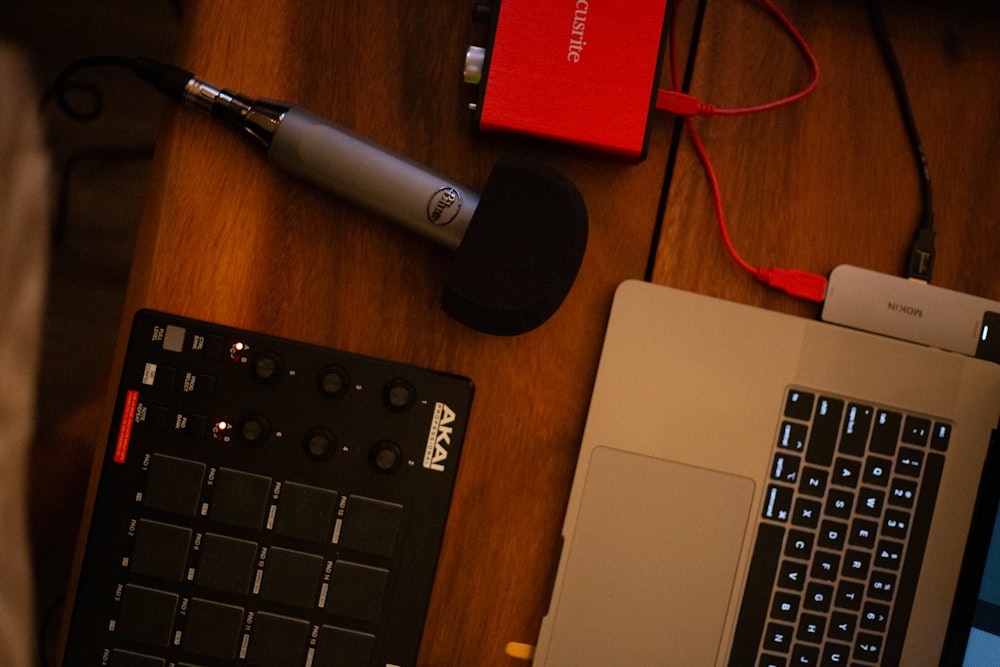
(64, 85)
(668, 175)
(921, 259)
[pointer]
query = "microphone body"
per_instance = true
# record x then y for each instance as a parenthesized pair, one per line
(527, 230)
(365, 173)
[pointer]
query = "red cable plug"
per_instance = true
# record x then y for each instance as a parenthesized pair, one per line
(682, 104)
(802, 284)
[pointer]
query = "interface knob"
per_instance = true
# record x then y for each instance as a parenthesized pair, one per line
(385, 456)
(267, 367)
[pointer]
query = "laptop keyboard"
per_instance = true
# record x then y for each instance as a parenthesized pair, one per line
(844, 522)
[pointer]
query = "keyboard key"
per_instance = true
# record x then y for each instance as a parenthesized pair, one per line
(916, 430)
(889, 554)
(805, 655)
(778, 502)
(832, 535)
(757, 594)
(870, 502)
(778, 637)
(792, 575)
(785, 468)
(806, 512)
(839, 503)
(882, 585)
(896, 524)
(877, 471)
(849, 595)
(857, 564)
(835, 654)
(842, 626)
(857, 424)
(875, 616)
(813, 481)
(770, 660)
(825, 429)
(885, 432)
(940, 436)
(868, 647)
(846, 472)
(799, 544)
(818, 597)
(902, 493)
(785, 606)
(793, 436)
(825, 566)
(812, 628)
(910, 462)
(863, 533)
(799, 405)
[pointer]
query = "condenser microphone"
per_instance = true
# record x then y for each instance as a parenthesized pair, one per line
(518, 245)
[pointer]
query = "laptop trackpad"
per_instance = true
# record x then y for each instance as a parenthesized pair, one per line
(652, 564)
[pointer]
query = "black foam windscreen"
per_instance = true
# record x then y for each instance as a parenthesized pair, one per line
(521, 252)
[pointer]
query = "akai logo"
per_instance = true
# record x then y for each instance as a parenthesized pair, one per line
(439, 437)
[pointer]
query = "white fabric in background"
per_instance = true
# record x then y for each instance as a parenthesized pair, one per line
(24, 238)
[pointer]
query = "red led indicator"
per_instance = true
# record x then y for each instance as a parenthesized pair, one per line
(125, 429)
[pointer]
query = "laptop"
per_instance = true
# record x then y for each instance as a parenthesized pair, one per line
(755, 488)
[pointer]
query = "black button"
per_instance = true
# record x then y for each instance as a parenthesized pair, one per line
(292, 577)
(204, 386)
(357, 590)
(214, 346)
(174, 485)
(121, 658)
(306, 512)
(164, 378)
(227, 564)
(340, 647)
(147, 615)
(161, 550)
(213, 628)
(194, 426)
(154, 417)
(240, 498)
(371, 526)
(277, 641)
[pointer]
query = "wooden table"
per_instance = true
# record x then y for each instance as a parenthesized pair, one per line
(829, 180)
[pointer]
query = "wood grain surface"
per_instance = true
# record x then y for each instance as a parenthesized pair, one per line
(830, 180)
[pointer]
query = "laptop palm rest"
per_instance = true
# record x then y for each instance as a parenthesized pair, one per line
(627, 585)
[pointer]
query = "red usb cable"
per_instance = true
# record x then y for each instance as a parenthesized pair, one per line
(803, 284)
